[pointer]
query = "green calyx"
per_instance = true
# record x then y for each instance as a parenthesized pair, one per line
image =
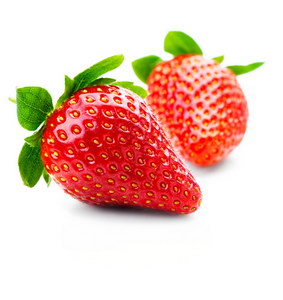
(34, 105)
(91, 77)
(219, 59)
(175, 43)
(30, 164)
(144, 66)
(178, 43)
(134, 88)
(239, 70)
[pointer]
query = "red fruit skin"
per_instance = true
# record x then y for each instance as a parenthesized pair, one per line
(201, 105)
(103, 146)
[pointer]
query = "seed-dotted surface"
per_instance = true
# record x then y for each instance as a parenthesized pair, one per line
(201, 105)
(103, 146)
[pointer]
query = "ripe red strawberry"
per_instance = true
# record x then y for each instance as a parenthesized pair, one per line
(103, 146)
(199, 102)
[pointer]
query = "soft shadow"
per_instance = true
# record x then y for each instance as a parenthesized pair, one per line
(136, 211)
(219, 167)
(126, 211)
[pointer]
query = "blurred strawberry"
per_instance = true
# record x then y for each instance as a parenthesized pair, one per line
(199, 102)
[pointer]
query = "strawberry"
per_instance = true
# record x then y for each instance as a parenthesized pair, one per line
(199, 102)
(103, 145)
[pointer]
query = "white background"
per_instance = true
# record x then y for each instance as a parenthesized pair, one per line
(53, 247)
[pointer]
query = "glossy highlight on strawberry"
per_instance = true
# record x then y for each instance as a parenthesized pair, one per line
(103, 146)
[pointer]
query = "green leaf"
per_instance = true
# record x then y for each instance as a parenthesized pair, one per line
(177, 43)
(144, 66)
(33, 106)
(239, 70)
(219, 59)
(69, 90)
(46, 177)
(103, 81)
(30, 164)
(88, 76)
(12, 100)
(35, 138)
(134, 88)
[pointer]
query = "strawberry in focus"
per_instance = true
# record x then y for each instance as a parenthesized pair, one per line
(103, 146)
(199, 102)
